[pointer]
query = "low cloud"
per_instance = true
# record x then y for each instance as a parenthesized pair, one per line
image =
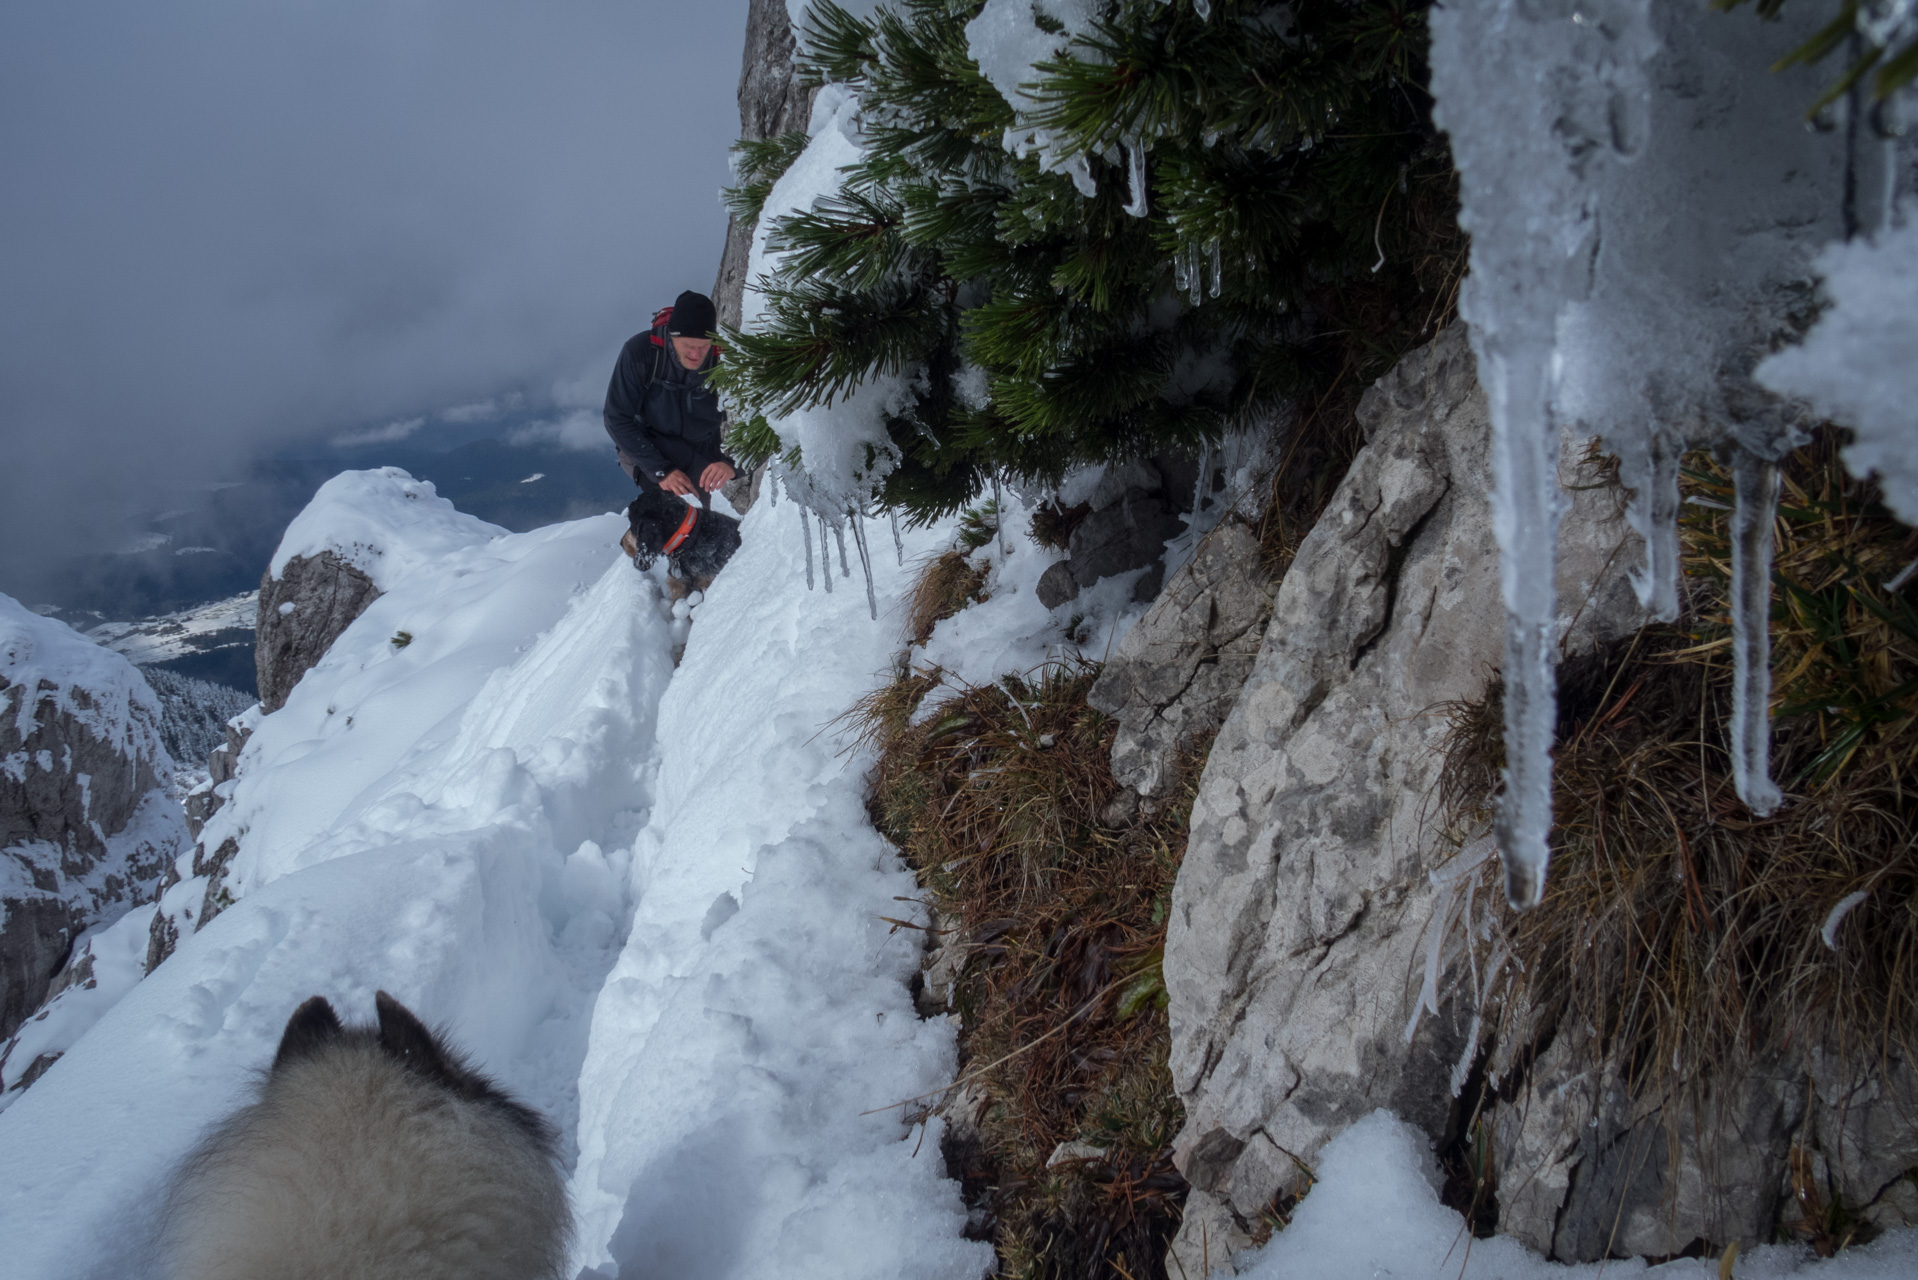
(481, 410)
(582, 429)
(388, 434)
(231, 229)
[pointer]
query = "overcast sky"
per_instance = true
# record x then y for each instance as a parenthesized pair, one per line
(228, 225)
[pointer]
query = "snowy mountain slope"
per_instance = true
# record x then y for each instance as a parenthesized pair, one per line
(462, 819)
(202, 629)
(418, 819)
(87, 826)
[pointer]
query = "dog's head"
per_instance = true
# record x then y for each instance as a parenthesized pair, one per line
(655, 517)
(315, 1030)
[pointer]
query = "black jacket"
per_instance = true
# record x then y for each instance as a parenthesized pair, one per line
(660, 414)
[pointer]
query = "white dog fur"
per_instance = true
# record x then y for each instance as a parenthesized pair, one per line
(373, 1153)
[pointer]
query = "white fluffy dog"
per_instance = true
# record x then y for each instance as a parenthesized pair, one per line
(373, 1153)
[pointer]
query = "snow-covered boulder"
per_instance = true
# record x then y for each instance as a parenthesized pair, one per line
(86, 825)
(362, 532)
(1302, 904)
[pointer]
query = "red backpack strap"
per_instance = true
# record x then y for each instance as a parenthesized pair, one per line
(661, 318)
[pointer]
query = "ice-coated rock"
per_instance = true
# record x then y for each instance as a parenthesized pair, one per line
(1179, 669)
(86, 826)
(1299, 913)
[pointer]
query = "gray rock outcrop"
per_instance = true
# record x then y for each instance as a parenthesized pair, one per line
(86, 825)
(1298, 918)
(302, 612)
(771, 102)
(1178, 671)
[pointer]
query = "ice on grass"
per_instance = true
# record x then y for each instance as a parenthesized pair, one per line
(1644, 203)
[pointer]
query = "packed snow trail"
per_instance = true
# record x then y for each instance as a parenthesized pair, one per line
(758, 1024)
(453, 806)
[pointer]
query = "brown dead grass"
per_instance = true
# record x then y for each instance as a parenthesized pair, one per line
(947, 584)
(1682, 929)
(995, 799)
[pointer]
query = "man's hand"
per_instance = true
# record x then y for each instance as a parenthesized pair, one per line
(715, 475)
(676, 482)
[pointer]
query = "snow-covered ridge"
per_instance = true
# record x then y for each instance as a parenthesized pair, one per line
(383, 522)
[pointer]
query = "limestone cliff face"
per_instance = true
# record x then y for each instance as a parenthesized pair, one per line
(771, 101)
(302, 612)
(1177, 673)
(1299, 916)
(86, 825)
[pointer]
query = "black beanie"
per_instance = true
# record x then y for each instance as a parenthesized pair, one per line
(693, 316)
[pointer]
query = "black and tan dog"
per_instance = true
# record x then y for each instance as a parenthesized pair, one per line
(696, 541)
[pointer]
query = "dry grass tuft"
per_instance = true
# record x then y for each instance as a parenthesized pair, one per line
(1686, 932)
(948, 584)
(996, 800)
(1052, 524)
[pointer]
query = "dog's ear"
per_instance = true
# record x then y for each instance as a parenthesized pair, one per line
(404, 1036)
(312, 1027)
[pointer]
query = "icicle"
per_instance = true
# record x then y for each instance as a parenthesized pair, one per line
(1218, 270)
(865, 561)
(1203, 485)
(825, 556)
(1526, 504)
(1755, 482)
(839, 536)
(898, 543)
(805, 536)
(999, 516)
(1203, 8)
(1135, 157)
(1180, 281)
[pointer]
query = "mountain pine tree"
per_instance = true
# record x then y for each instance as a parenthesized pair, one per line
(1233, 207)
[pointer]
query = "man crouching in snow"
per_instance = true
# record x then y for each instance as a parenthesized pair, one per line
(664, 421)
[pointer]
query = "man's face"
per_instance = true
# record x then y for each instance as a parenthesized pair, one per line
(692, 352)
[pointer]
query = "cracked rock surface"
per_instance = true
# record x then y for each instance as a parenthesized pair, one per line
(1299, 912)
(1178, 671)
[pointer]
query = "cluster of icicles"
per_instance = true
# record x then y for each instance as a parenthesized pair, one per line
(857, 520)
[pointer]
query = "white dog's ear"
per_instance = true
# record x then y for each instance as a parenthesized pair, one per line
(312, 1027)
